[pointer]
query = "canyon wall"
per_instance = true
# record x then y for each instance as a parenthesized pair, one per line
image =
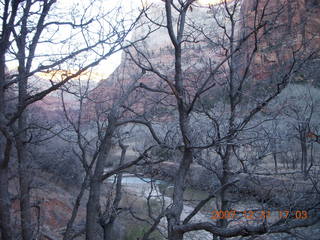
(290, 30)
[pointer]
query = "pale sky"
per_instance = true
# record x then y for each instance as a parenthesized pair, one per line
(106, 67)
(114, 60)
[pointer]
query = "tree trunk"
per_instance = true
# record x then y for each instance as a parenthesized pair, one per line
(5, 218)
(294, 161)
(274, 154)
(5, 205)
(93, 228)
(224, 202)
(174, 213)
(107, 225)
(25, 206)
(304, 151)
(24, 180)
(179, 187)
(21, 145)
(67, 234)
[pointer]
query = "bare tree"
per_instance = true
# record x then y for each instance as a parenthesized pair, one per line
(94, 127)
(27, 28)
(207, 109)
(301, 118)
(231, 71)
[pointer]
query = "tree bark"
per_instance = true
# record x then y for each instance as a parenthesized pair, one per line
(93, 228)
(5, 217)
(304, 150)
(5, 205)
(274, 155)
(21, 138)
(24, 181)
(24, 172)
(113, 211)
(174, 213)
(67, 234)
(179, 187)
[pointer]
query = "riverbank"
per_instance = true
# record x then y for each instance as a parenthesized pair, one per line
(276, 190)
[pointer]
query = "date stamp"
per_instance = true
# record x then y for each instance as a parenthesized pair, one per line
(258, 214)
(298, 214)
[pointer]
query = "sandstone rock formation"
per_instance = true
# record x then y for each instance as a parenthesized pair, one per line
(290, 25)
(52, 206)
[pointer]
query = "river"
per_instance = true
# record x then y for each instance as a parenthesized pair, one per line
(161, 192)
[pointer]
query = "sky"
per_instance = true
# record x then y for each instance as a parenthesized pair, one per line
(107, 66)
(115, 59)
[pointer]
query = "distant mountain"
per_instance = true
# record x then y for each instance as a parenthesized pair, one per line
(296, 29)
(289, 26)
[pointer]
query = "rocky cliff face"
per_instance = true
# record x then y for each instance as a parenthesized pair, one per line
(158, 52)
(290, 27)
(291, 30)
(52, 206)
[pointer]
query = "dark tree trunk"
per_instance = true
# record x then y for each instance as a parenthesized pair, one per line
(5, 205)
(174, 213)
(21, 145)
(224, 202)
(112, 212)
(274, 154)
(93, 227)
(5, 217)
(304, 150)
(179, 187)
(67, 234)
(24, 181)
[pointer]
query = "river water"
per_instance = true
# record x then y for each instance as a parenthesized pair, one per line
(161, 192)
